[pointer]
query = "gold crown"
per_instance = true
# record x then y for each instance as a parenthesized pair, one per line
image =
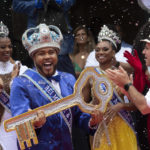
(110, 35)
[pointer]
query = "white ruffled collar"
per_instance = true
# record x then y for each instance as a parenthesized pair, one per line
(6, 67)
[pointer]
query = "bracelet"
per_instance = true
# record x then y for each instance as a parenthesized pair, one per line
(126, 86)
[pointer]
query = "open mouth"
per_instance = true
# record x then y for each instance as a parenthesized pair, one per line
(47, 66)
(100, 57)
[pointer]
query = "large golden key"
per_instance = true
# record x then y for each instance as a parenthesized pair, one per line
(101, 88)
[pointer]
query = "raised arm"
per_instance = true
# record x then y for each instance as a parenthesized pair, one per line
(121, 78)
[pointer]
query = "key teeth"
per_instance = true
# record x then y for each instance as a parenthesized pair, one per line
(35, 141)
(28, 142)
(22, 146)
(26, 133)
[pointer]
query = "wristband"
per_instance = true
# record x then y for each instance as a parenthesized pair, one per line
(126, 86)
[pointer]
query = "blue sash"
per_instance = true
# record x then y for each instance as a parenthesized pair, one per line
(125, 115)
(4, 100)
(49, 91)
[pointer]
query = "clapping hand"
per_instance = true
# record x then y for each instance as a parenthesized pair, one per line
(16, 70)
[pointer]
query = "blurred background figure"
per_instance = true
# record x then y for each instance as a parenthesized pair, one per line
(124, 46)
(8, 70)
(83, 44)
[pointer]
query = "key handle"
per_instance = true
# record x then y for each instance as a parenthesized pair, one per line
(102, 89)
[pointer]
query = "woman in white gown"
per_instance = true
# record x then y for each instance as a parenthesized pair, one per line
(8, 70)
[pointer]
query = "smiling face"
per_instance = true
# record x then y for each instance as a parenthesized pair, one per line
(146, 52)
(45, 60)
(104, 52)
(5, 49)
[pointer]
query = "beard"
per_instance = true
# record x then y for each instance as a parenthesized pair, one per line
(46, 73)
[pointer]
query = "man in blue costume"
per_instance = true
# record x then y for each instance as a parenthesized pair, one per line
(45, 84)
(54, 12)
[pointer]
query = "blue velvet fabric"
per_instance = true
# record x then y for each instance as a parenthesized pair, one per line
(54, 135)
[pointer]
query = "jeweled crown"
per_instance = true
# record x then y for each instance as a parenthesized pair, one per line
(42, 36)
(110, 35)
(3, 30)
